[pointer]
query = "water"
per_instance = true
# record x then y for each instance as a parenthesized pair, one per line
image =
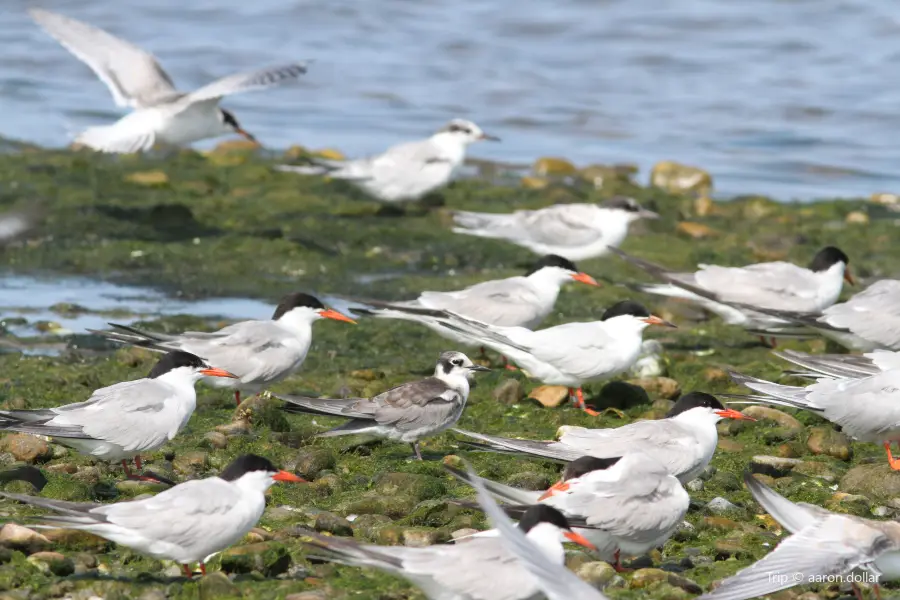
(794, 98)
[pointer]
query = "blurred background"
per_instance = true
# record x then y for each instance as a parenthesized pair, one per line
(793, 98)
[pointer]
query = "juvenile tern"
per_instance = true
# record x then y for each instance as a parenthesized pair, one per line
(772, 285)
(259, 353)
(407, 171)
(551, 577)
(188, 523)
(683, 442)
(867, 409)
(821, 544)
(571, 354)
(632, 502)
(406, 413)
(124, 420)
(135, 79)
(478, 569)
(575, 231)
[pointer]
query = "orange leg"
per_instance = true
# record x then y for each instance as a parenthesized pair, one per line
(894, 462)
(187, 571)
(877, 589)
(618, 564)
(579, 401)
(237, 397)
(203, 569)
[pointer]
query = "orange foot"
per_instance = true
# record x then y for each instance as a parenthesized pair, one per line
(618, 565)
(894, 462)
(579, 402)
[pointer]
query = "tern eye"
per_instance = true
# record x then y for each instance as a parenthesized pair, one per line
(458, 128)
(456, 361)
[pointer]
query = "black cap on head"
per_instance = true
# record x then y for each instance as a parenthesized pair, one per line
(826, 258)
(552, 260)
(625, 307)
(175, 359)
(622, 203)
(541, 513)
(292, 301)
(694, 400)
(245, 464)
(586, 464)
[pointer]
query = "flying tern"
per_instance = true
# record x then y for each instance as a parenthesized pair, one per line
(124, 420)
(407, 171)
(188, 523)
(575, 231)
(683, 442)
(259, 353)
(135, 79)
(406, 413)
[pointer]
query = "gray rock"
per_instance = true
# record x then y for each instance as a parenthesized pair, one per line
(333, 524)
(883, 511)
(215, 440)
(217, 585)
(877, 481)
(367, 525)
(508, 391)
(309, 462)
(191, 463)
(776, 466)
(694, 485)
(719, 505)
(596, 573)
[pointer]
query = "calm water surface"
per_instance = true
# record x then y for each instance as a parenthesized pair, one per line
(795, 98)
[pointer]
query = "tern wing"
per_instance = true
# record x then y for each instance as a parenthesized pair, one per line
(244, 82)
(428, 403)
(873, 314)
(779, 285)
(791, 516)
(505, 302)
(132, 75)
(559, 225)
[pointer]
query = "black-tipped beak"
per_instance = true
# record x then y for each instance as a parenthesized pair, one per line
(489, 138)
(478, 368)
(648, 214)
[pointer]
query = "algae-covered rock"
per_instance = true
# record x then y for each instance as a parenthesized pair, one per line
(876, 481)
(309, 462)
(53, 562)
(26, 448)
(827, 441)
(420, 487)
(529, 480)
(269, 558)
(368, 525)
(191, 463)
(215, 586)
(333, 524)
(262, 410)
(677, 178)
(553, 167)
(148, 178)
(597, 573)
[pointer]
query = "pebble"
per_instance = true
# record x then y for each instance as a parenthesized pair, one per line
(857, 217)
(597, 573)
(53, 562)
(216, 440)
(728, 548)
(776, 466)
(333, 524)
(773, 414)
(149, 178)
(508, 391)
(727, 445)
(420, 487)
(367, 374)
(679, 178)
(697, 231)
(694, 485)
(21, 538)
(550, 396)
(719, 505)
(26, 448)
(465, 532)
(827, 441)
(885, 198)
(856, 502)
(269, 558)
(191, 463)
(662, 387)
(876, 480)
(74, 538)
(217, 585)
(420, 538)
(551, 166)
(309, 462)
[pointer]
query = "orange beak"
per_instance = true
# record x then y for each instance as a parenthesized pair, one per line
(654, 320)
(211, 372)
(730, 413)
(330, 313)
(245, 134)
(556, 487)
(585, 278)
(579, 539)
(848, 276)
(285, 476)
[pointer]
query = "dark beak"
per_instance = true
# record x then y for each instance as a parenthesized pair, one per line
(478, 368)
(490, 138)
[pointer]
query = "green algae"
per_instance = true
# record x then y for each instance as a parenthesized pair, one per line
(234, 227)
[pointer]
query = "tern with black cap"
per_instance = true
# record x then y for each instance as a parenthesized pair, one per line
(189, 523)
(407, 171)
(683, 442)
(406, 413)
(259, 353)
(127, 419)
(161, 113)
(575, 231)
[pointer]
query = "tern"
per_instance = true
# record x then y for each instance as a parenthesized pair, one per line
(406, 413)
(632, 503)
(684, 441)
(821, 544)
(135, 79)
(259, 353)
(575, 231)
(124, 420)
(571, 354)
(848, 366)
(407, 171)
(189, 523)
(772, 285)
(478, 569)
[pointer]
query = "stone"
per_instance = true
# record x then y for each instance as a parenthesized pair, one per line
(677, 178)
(262, 410)
(886, 198)
(79, 539)
(726, 445)
(722, 523)
(215, 440)
(53, 562)
(694, 485)
(715, 375)
(529, 480)
(153, 178)
(554, 167)
(415, 537)
(729, 548)
(420, 487)
(367, 374)
(662, 387)
(21, 538)
(857, 217)
(719, 505)
(775, 466)
(333, 524)
(843, 502)
(132, 487)
(534, 183)
(827, 441)
(597, 573)
(697, 231)
(508, 391)
(191, 463)
(395, 506)
(818, 470)
(645, 577)
(235, 428)
(367, 525)
(217, 585)
(877, 481)
(269, 558)
(773, 414)
(309, 462)
(462, 535)
(550, 396)
(26, 448)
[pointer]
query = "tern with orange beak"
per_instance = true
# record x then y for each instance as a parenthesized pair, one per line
(189, 523)
(127, 419)
(161, 113)
(683, 442)
(259, 353)
(571, 354)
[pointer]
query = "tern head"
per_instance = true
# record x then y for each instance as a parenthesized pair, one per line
(702, 405)
(230, 125)
(256, 472)
(545, 525)
(179, 363)
(560, 269)
(464, 132)
(832, 258)
(455, 365)
(629, 311)
(629, 208)
(305, 308)
(577, 468)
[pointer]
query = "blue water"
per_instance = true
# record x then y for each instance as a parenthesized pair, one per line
(795, 98)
